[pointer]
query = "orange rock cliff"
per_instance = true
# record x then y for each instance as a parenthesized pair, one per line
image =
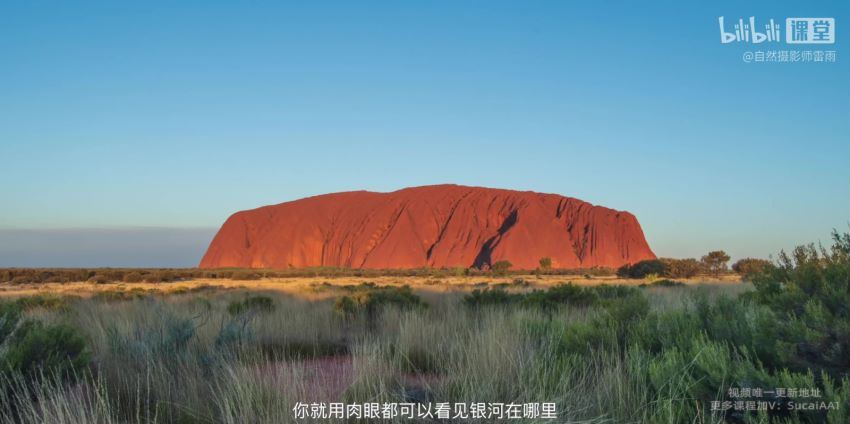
(430, 226)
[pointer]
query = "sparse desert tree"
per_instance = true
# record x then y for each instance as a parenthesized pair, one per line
(748, 268)
(501, 267)
(716, 262)
(546, 263)
(681, 268)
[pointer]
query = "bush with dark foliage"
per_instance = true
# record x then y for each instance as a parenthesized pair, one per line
(748, 268)
(641, 269)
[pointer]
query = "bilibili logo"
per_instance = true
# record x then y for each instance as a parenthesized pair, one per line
(797, 31)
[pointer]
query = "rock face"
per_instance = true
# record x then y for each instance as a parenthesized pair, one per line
(431, 226)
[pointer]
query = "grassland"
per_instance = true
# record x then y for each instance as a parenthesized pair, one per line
(603, 350)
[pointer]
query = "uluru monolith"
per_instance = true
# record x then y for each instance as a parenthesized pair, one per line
(430, 226)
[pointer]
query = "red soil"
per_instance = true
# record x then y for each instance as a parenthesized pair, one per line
(431, 226)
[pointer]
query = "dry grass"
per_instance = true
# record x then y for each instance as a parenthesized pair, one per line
(172, 353)
(316, 288)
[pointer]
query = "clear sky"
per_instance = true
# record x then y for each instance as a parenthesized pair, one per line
(149, 118)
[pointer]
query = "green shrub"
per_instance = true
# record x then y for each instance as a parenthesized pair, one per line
(346, 307)
(50, 302)
(301, 349)
(641, 269)
(667, 283)
(256, 304)
(614, 291)
(401, 297)
(809, 292)
(118, 295)
(167, 339)
(749, 268)
(10, 314)
(562, 294)
(35, 347)
(490, 296)
(372, 299)
(680, 268)
(501, 267)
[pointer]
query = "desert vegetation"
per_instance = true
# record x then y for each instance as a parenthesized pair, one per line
(713, 264)
(661, 351)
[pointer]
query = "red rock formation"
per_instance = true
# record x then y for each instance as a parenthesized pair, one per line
(431, 226)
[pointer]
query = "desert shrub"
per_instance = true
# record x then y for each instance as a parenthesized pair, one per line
(10, 314)
(301, 349)
(562, 294)
(652, 277)
(245, 275)
(111, 274)
(545, 263)
(133, 277)
(749, 268)
(490, 296)
(694, 353)
(98, 279)
(237, 330)
(257, 304)
(614, 291)
(20, 280)
(501, 267)
(519, 282)
(622, 313)
(362, 287)
(667, 283)
(35, 347)
(50, 302)
(584, 338)
(402, 297)
(118, 295)
(372, 300)
(346, 307)
(419, 360)
(459, 271)
(641, 269)
(680, 268)
(809, 292)
(555, 296)
(599, 271)
(153, 277)
(159, 277)
(609, 330)
(167, 339)
(793, 330)
(55, 279)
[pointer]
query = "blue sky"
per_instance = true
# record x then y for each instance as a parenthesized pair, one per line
(121, 116)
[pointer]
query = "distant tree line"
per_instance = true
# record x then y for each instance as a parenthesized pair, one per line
(714, 263)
